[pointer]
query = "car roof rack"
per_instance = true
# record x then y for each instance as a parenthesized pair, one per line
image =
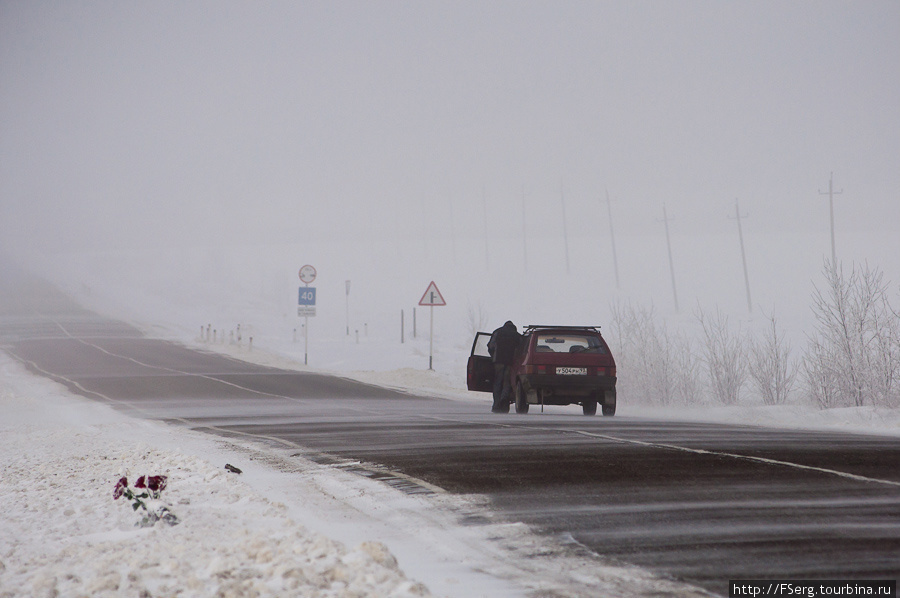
(532, 327)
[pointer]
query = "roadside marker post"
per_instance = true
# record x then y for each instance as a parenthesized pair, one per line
(347, 294)
(306, 305)
(431, 298)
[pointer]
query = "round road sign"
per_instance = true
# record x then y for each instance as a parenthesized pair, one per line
(307, 274)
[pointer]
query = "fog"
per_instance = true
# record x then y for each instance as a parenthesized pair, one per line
(203, 145)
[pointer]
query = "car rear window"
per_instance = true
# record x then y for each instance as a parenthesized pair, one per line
(569, 343)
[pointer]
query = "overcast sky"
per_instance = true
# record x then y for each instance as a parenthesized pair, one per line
(131, 124)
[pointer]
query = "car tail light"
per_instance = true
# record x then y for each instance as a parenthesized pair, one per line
(606, 371)
(601, 371)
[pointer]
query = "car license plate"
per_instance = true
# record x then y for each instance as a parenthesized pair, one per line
(571, 371)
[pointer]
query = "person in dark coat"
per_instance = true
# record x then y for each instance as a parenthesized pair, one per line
(502, 348)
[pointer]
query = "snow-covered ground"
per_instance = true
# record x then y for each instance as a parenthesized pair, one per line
(285, 526)
(62, 534)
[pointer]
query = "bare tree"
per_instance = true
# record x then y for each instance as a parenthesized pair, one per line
(725, 356)
(856, 344)
(770, 367)
(820, 372)
(654, 366)
(634, 330)
(629, 329)
(477, 318)
(836, 330)
(688, 388)
(882, 342)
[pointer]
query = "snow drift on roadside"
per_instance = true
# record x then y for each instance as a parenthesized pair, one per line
(62, 534)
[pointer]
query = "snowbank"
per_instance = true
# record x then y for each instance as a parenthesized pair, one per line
(62, 534)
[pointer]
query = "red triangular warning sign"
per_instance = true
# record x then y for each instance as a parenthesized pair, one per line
(432, 296)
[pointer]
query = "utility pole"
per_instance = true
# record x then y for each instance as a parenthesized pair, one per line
(452, 232)
(487, 259)
(671, 265)
(524, 233)
(562, 197)
(613, 239)
(831, 193)
(347, 303)
(425, 232)
(738, 217)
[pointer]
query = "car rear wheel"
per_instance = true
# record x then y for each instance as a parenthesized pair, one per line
(590, 407)
(609, 410)
(521, 399)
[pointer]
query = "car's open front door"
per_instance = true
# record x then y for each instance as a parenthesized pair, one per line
(480, 368)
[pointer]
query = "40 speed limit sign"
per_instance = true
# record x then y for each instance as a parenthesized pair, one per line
(306, 305)
(306, 302)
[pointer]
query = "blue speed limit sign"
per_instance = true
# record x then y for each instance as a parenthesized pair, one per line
(307, 296)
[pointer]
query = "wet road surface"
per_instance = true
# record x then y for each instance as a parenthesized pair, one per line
(703, 503)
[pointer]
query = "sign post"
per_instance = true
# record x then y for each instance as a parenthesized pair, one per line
(348, 307)
(431, 298)
(306, 305)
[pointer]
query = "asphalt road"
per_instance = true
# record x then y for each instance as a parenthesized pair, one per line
(701, 503)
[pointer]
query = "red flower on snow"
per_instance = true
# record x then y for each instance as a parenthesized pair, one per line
(153, 483)
(152, 486)
(121, 485)
(156, 483)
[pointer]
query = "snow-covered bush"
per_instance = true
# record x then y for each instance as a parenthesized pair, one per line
(653, 365)
(771, 370)
(853, 356)
(725, 356)
(688, 386)
(821, 375)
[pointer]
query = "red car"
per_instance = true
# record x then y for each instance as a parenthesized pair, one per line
(554, 365)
